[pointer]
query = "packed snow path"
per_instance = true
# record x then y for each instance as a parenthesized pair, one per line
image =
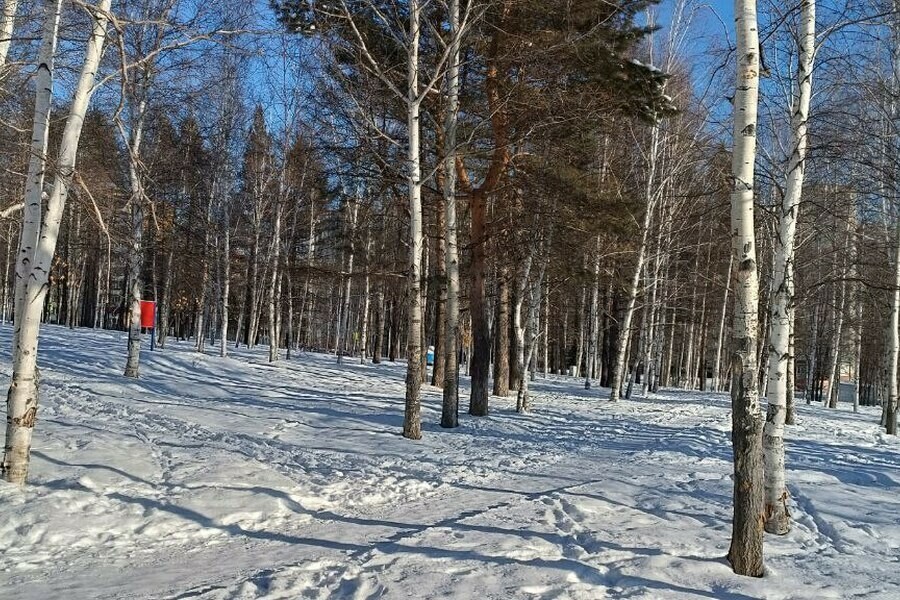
(215, 478)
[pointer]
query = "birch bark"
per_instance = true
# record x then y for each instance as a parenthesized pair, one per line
(34, 182)
(746, 551)
(412, 426)
(450, 405)
(135, 250)
(22, 398)
(273, 296)
(720, 338)
(7, 22)
(592, 317)
(893, 345)
(625, 328)
(781, 316)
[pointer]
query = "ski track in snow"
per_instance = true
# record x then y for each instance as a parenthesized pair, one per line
(233, 479)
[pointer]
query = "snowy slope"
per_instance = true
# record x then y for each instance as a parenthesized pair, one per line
(228, 478)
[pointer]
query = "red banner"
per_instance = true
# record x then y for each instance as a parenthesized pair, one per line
(148, 314)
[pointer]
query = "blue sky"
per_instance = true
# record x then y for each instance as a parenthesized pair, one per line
(711, 16)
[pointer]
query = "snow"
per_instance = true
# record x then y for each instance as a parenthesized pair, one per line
(638, 63)
(215, 478)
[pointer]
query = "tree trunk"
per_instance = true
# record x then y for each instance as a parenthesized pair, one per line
(306, 302)
(857, 355)
(746, 551)
(377, 351)
(652, 330)
(440, 307)
(625, 329)
(812, 365)
(501, 352)
(34, 183)
(412, 425)
(545, 320)
(136, 247)
(7, 264)
(518, 326)
(204, 275)
(893, 345)
(7, 21)
(450, 404)
(834, 374)
(343, 320)
(165, 317)
(226, 282)
(272, 295)
(394, 331)
(593, 321)
(523, 402)
(720, 338)
(251, 318)
(22, 398)
(364, 329)
(517, 347)
(790, 417)
(582, 335)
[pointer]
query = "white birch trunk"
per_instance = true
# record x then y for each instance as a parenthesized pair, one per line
(519, 326)
(857, 355)
(720, 338)
(343, 323)
(893, 345)
(450, 404)
(135, 257)
(790, 415)
(272, 296)
(7, 21)
(22, 399)
(582, 320)
(138, 113)
(686, 376)
(746, 551)
(625, 329)
(226, 282)
(204, 273)
(834, 374)
(812, 366)
(834, 378)
(34, 182)
(306, 299)
(412, 426)
(592, 318)
(781, 310)
(650, 346)
(545, 324)
(7, 264)
(523, 401)
(364, 328)
(619, 365)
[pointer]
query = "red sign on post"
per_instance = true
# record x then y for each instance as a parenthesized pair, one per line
(148, 314)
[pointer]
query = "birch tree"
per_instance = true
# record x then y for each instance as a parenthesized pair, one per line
(38, 242)
(450, 404)
(7, 22)
(893, 345)
(412, 426)
(746, 551)
(781, 316)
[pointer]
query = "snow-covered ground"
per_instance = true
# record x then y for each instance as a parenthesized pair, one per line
(220, 478)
